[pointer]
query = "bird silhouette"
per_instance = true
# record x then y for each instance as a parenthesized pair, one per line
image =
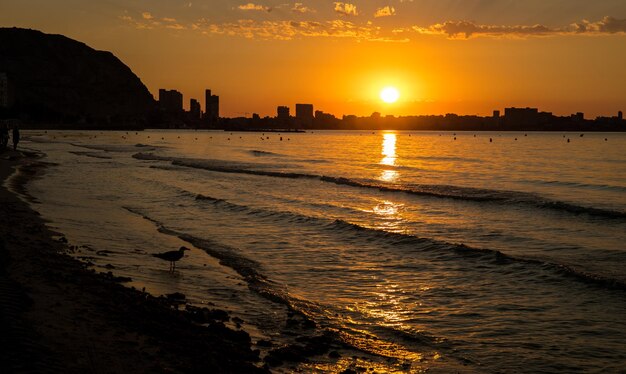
(172, 256)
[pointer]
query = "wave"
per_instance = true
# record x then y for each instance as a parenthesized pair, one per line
(257, 282)
(116, 148)
(259, 153)
(491, 256)
(92, 154)
(445, 158)
(228, 256)
(579, 185)
(436, 191)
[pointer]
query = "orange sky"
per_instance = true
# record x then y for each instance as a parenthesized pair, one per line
(467, 57)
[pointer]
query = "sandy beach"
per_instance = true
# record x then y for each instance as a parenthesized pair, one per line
(56, 315)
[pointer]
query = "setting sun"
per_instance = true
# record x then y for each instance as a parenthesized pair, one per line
(389, 95)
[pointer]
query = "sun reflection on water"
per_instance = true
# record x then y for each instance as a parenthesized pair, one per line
(389, 149)
(389, 159)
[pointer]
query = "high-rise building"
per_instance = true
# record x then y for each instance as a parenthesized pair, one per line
(171, 101)
(496, 114)
(282, 112)
(211, 106)
(304, 114)
(516, 117)
(620, 115)
(194, 109)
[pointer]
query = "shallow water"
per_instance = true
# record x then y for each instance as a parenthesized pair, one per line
(439, 253)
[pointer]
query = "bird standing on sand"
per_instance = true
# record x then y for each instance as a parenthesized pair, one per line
(172, 256)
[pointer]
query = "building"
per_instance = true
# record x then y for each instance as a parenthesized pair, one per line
(496, 114)
(211, 106)
(526, 118)
(304, 115)
(6, 92)
(620, 115)
(325, 120)
(282, 112)
(578, 117)
(170, 101)
(195, 112)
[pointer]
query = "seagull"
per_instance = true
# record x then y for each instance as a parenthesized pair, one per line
(172, 256)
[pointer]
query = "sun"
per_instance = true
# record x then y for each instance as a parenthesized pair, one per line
(389, 95)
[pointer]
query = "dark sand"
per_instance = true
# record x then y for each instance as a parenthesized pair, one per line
(57, 315)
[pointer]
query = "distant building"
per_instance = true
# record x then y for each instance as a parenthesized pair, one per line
(496, 114)
(6, 92)
(211, 106)
(578, 117)
(325, 120)
(304, 115)
(526, 117)
(170, 101)
(282, 112)
(195, 112)
(620, 115)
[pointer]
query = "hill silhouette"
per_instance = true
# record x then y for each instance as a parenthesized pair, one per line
(58, 79)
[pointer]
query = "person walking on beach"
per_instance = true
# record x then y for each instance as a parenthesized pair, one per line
(16, 136)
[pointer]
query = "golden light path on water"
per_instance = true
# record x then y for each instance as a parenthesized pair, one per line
(386, 304)
(389, 159)
(388, 209)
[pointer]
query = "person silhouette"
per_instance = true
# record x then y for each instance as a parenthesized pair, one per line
(16, 136)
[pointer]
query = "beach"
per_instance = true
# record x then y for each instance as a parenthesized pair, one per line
(56, 315)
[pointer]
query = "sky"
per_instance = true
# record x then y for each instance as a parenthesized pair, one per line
(444, 56)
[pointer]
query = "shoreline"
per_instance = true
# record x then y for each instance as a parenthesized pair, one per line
(57, 315)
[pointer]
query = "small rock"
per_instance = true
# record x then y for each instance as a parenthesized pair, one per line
(176, 296)
(264, 343)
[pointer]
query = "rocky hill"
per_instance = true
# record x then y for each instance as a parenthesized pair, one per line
(56, 79)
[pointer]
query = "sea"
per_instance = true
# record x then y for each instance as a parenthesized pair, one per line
(477, 252)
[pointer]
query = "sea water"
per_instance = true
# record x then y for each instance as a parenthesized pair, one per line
(471, 252)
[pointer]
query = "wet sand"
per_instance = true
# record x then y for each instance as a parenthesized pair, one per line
(57, 315)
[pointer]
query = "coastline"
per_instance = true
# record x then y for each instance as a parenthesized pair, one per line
(57, 315)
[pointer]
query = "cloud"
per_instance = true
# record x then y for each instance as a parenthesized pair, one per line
(385, 12)
(467, 29)
(367, 31)
(300, 8)
(608, 25)
(175, 26)
(290, 30)
(252, 6)
(149, 22)
(346, 9)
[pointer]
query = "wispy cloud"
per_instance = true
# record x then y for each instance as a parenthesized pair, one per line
(301, 8)
(608, 25)
(289, 30)
(346, 9)
(148, 22)
(467, 29)
(368, 31)
(385, 12)
(252, 6)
